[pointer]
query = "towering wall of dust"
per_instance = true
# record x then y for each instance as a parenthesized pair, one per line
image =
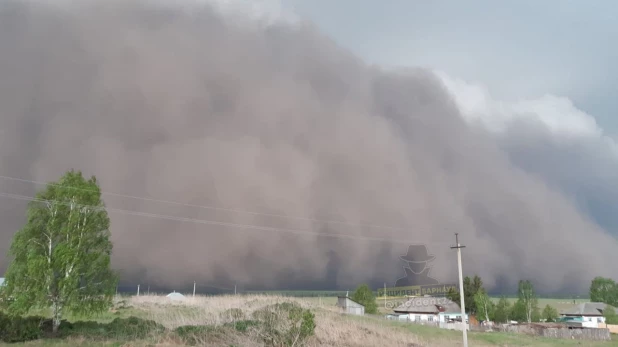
(194, 107)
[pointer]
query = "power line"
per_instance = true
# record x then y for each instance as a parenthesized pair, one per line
(314, 220)
(209, 222)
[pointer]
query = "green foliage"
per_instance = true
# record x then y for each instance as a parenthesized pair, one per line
(610, 315)
(61, 257)
(285, 324)
(472, 286)
(18, 329)
(604, 290)
(550, 314)
(193, 335)
(119, 329)
(365, 296)
(484, 306)
(526, 308)
(502, 313)
(243, 325)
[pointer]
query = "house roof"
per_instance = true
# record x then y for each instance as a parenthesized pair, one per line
(585, 309)
(428, 305)
(348, 298)
(175, 296)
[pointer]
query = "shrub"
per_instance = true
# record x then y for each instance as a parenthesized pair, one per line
(119, 328)
(285, 324)
(210, 335)
(243, 325)
(20, 329)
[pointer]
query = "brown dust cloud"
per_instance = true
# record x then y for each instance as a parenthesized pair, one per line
(295, 164)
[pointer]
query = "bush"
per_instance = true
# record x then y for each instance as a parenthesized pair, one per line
(119, 328)
(20, 329)
(194, 334)
(285, 324)
(242, 325)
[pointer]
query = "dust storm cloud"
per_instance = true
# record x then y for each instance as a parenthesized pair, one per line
(185, 104)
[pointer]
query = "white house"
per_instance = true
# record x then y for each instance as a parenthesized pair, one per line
(350, 306)
(587, 315)
(428, 309)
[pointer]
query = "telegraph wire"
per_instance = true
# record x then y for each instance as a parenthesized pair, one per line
(314, 220)
(210, 222)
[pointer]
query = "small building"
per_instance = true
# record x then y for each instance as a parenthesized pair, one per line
(350, 306)
(175, 296)
(586, 315)
(429, 309)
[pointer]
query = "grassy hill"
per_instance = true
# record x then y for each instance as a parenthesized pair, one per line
(332, 328)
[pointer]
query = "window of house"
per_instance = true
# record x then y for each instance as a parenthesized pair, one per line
(430, 318)
(417, 318)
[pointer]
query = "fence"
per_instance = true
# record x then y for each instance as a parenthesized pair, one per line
(559, 332)
(613, 328)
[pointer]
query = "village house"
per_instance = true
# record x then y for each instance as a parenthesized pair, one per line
(350, 306)
(435, 310)
(585, 315)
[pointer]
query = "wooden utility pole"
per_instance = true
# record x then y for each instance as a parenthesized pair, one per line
(461, 291)
(384, 294)
(194, 289)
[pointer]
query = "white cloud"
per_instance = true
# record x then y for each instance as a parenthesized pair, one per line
(557, 114)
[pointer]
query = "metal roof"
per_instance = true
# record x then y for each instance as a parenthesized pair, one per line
(433, 305)
(585, 309)
(355, 304)
(175, 296)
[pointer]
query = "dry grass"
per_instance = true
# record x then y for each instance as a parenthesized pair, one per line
(333, 329)
(203, 310)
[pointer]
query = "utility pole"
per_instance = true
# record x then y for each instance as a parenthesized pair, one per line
(194, 289)
(138, 290)
(384, 294)
(461, 291)
(148, 290)
(234, 289)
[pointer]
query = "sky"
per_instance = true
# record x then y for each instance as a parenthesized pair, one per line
(549, 62)
(499, 128)
(518, 49)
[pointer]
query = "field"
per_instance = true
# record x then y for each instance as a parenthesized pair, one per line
(332, 328)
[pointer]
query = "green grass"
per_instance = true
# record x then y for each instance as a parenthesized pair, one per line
(495, 338)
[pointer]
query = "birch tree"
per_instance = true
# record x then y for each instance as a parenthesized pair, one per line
(527, 299)
(484, 305)
(61, 257)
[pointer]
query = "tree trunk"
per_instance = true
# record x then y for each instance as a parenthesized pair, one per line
(56, 316)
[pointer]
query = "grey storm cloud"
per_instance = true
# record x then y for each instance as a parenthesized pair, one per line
(186, 104)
